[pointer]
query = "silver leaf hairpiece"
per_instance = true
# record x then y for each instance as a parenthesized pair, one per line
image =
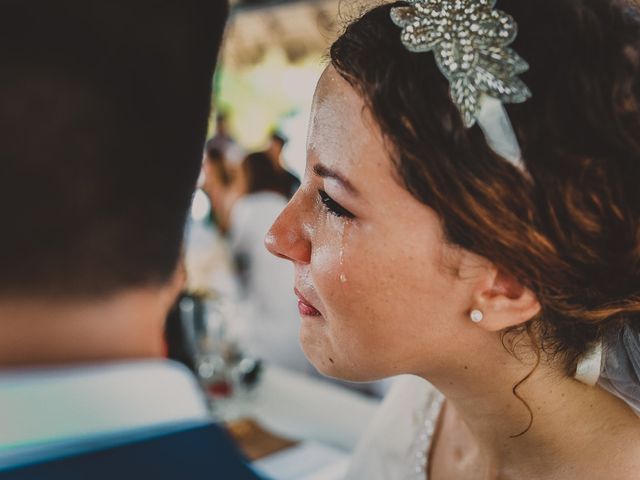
(470, 42)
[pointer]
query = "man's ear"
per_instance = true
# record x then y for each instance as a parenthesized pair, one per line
(503, 301)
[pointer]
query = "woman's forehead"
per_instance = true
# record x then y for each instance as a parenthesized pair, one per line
(342, 132)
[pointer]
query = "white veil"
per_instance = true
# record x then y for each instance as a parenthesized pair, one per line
(620, 370)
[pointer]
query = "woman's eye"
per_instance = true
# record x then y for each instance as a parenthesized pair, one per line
(334, 207)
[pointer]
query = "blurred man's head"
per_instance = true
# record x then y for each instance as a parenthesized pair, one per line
(214, 166)
(217, 179)
(222, 127)
(260, 175)
(104, 112)
(277, 141)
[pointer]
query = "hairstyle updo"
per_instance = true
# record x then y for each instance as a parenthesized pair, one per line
(570, 230)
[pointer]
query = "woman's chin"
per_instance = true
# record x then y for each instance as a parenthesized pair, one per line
(319, 350)
(330, 365)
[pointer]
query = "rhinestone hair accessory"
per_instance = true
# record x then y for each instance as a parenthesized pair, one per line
(470, 42)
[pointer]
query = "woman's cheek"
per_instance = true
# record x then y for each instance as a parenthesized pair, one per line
(328, 249)
(325, 272)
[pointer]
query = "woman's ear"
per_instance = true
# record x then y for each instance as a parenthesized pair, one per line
(503, 301)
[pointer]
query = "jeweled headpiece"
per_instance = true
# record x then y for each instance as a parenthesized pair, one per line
(470, 42)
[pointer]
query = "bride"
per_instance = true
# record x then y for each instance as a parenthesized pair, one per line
(470, 215)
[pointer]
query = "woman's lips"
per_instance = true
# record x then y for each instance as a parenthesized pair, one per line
(307, 310)
(304, 307)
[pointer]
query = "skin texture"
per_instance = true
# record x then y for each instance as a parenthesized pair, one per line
(385, 281)
(394, 297)
(124, 325)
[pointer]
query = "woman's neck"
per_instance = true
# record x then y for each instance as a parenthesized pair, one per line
(568, 426)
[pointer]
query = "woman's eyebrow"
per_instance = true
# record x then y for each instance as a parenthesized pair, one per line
(325, 172)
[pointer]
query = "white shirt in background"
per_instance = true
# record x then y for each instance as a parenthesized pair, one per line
(271, 324)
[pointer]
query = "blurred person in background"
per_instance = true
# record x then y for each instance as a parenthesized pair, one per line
(270, 327)
(289, 182)
(94, 208)
(232, 152)
(217, 184)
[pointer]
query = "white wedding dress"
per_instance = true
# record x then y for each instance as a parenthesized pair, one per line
(395, 445)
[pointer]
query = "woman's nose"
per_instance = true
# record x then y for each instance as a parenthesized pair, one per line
(287, 237)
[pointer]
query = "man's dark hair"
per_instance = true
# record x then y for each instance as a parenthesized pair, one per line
(261, 174)
(212, 152)
(215, 157)
(104, 106)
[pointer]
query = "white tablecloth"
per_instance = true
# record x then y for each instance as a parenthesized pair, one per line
(326, 418)
(304, 408)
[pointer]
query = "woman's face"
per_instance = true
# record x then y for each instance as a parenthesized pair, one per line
(381, 292)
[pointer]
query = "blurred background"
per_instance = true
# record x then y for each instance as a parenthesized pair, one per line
(273, 55)
(236, 324)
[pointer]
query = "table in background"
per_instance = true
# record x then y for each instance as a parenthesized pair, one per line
(301, 407)
(327, 419)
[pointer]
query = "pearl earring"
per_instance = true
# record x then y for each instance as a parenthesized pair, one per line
(476, 316)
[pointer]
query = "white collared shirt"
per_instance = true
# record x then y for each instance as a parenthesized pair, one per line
(46, 410)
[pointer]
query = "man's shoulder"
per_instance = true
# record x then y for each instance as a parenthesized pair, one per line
(142, 419)
(66, 403)
(64, 412)
(197, 451)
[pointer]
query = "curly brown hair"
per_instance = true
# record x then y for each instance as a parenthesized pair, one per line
(570, 231)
